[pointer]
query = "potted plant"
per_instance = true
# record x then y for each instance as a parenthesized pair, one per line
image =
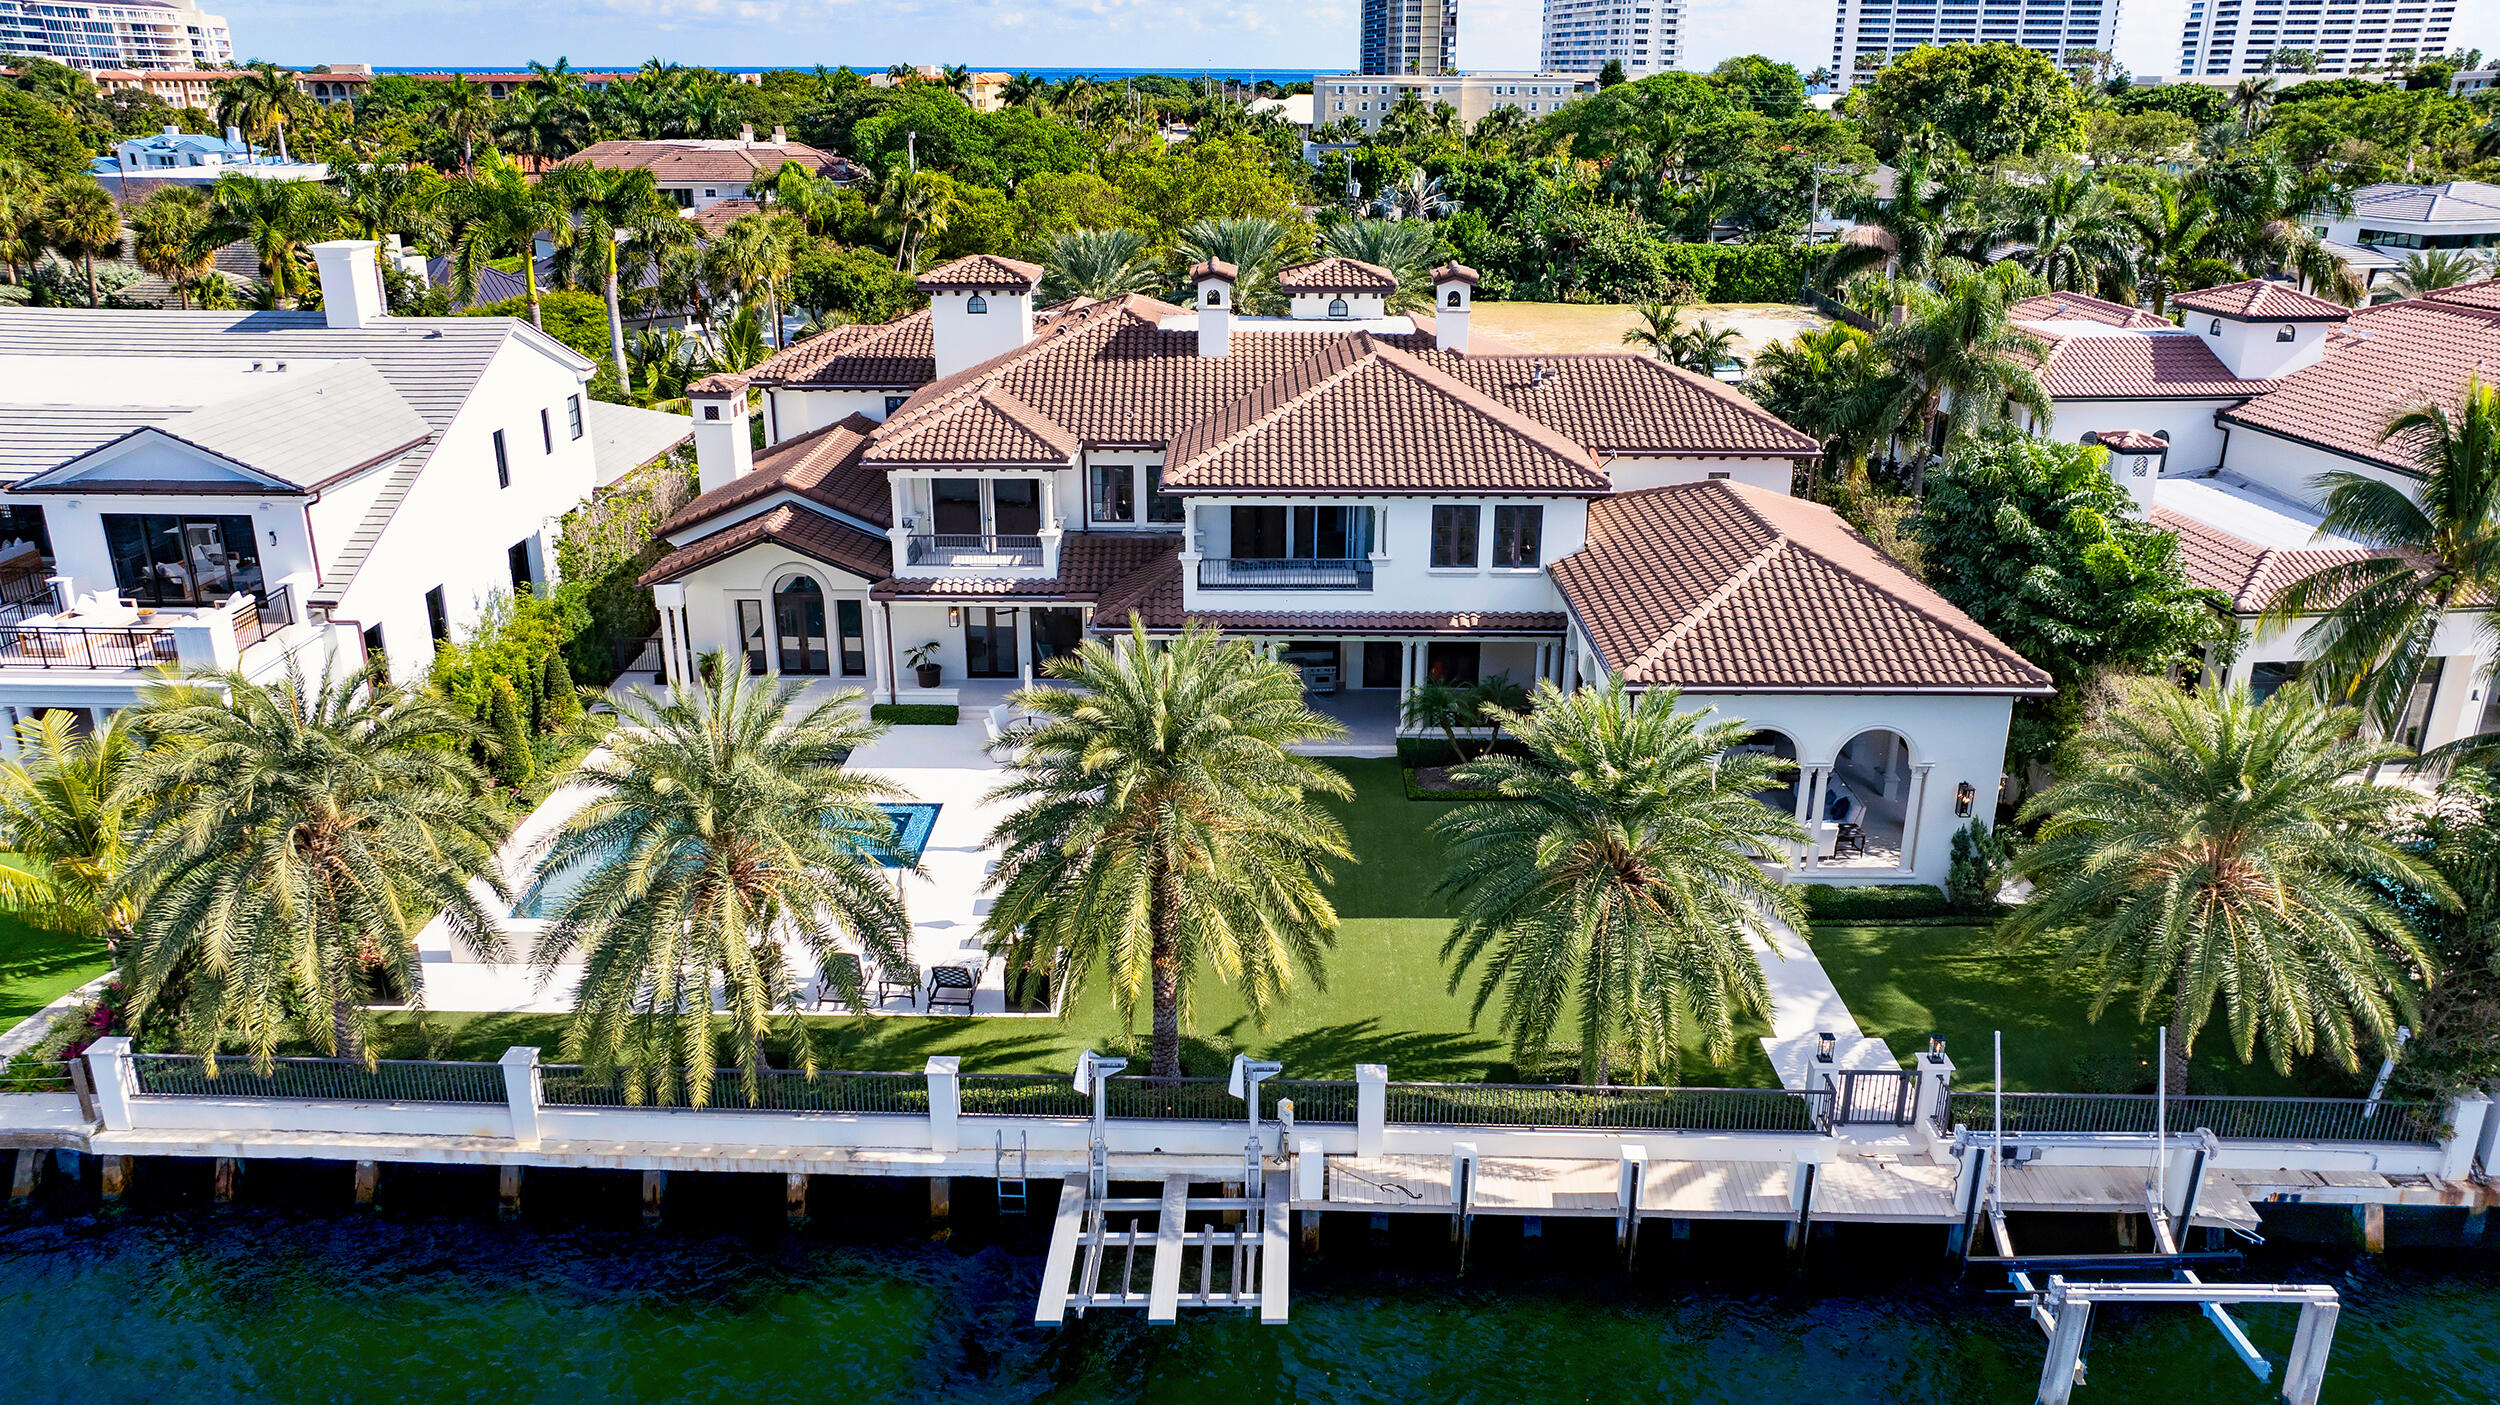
(924, 664)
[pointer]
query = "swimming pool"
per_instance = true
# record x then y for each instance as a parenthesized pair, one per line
(912, 821)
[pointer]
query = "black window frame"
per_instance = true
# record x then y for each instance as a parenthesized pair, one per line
(438, 615)
(517, 558)
(1447, 537)
(547, 429)
(164, 543)
(1162, 508)
(374, 647)
(1122, 479)
(503, 462)
(1513, 525)
(573, 414)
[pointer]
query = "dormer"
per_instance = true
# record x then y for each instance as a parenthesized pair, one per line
(980, 306)
(2261, 329)
(1217, 284)
(1337, 290)
(1453, 294)
(2135, 462)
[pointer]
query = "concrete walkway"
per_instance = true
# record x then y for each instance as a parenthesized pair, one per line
(1805, 1005)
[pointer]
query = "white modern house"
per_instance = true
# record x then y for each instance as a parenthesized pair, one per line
(2450, 215)
(237, 489)
(1375, 497)
(2222, 427)
(197, 158)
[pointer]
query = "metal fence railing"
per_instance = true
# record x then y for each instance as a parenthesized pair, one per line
(79, 647)
(778, 1090)
(1297, 573)
(390, 1080)
(1651, 1109)
(1313, 1100)
(1021, 1095)
(2239, 1119)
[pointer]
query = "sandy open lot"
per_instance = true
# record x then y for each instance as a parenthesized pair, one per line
(1564, 326)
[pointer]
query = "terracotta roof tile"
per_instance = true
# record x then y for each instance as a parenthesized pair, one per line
(822, 465)
(2261, 300)
(981, 273)
(1623, 403)
(1358, 415)
(719, 383)
(896, 355)
(1455, 272)
(727, 162)
(2152, 366)
(990, 427)
(714, 218)
(1337, 275)
(2253, 576)
(803, 530)
(2075, 307)
(2132, 441)
(1213, 268)
(1722, 587)
(2383, 360)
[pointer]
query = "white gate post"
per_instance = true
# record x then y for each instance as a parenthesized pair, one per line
(2466, 1115)
(1371, 1108)
(945, 1102)
(521, 1093)
(116, 1082)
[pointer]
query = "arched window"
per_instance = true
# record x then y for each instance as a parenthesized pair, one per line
(1453, 297)
(2214, 329)
(2285, 332)
(1215, 297)
(974, 304)
(799, 624)
(1336, 307)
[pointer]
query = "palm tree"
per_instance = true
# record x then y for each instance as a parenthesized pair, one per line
(1966, 357)
(1252, 244)
(1406, 249)
(603, 207)
(64, 813)
(913, 208)
(1159, 822)
(958, 80)
(466, 111)
(754, 255)
(2252, 96)
(262, 99)
(305, 834)
(1931, 217)
(2377, 618)
(2078, 234)
(1418, 196)
(722, 825)
(169, 238)
(381, 199)
(1438, 704)
(1836, 386)
(1097, 263)
(279, 219)
(2429, 270)
(80, 221)
(544, 124)
(814, 199)
(496, 211)
(1025, 90)
(2172, 233)
(1616, 876)
(2207, 848)
(1659, 331)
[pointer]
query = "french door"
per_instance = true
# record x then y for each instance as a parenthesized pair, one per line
(990, 642)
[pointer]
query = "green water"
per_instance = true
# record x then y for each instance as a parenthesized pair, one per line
(291, 1297)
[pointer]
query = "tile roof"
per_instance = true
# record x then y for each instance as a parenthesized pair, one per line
(2170, 365)
(714, 218)
(2261, 300)
(2253, 576)
(1337, 275)
(803, 530)
(1618, 402)
(821, 465)
(1719, 586)
(2384, 359)
(896, 355)
(2075, 307)
(1091, 565)
(1213, 268)
(981, 273)
(1455, 272)
(725, 162)
(1358, 415)
(990, 426)
(2132, 441)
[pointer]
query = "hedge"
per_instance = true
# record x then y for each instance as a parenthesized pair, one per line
(1737, 272)
(916, 714)
(1915, 905)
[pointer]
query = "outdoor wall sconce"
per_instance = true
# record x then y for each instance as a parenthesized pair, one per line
(1963, 795)
(1823, 1044)
(955, 619)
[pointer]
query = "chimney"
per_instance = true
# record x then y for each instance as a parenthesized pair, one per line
(1453, 296)
(172, 131)
(781, 136)
(746, 133)
(723, 452)
(980, 306)
(351, 283)
(1215, 280)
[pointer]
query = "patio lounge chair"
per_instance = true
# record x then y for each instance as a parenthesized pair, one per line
(953, 987)
(904, 979)
(841, 974)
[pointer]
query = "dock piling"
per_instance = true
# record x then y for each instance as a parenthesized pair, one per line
(508, 1191)
(941, 1207)
(25, 1175)
(368, 1183)
(654, 1195)
(794, 1198)
(116, 1178)
(227, 1169)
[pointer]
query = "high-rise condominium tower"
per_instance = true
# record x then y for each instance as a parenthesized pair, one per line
(1410, 36)
(2346, 36)
(115, 33)
(1582, 35)
(1871, 33)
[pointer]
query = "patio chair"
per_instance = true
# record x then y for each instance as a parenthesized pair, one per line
(905, 979)
(952, 987)
(1852, 836)
(841, 973)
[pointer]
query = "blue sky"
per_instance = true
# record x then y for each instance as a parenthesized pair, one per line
(1025, 33)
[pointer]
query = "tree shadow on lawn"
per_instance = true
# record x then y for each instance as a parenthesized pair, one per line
(38, 966)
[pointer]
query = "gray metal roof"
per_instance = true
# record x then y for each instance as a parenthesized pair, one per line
(2456, 202)
(33, 439)
(307, 427)
(625, 437)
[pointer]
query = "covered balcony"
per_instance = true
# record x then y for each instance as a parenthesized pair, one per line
(107, 632)
(976, 525)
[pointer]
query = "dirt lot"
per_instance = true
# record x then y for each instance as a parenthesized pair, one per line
(1563, 326)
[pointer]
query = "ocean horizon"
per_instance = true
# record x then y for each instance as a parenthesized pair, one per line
(1250, 75)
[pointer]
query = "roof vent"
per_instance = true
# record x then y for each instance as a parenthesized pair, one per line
(1537, 373)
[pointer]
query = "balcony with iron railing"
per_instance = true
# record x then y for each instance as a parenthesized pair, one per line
(108, 633)
(1295, 573)
(958, 550)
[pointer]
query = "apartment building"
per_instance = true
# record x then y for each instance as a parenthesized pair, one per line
(117, 34)
(1367, 98)
(1588, 34)
(2237, 36)
(1867, 34)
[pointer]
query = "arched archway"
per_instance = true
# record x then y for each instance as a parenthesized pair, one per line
(1769, 742)
(799, 626)
(1868, 796)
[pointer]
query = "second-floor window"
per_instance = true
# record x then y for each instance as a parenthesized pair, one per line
(1518, 535)
(1115, 493)
(547, 430)
(1160, 505)
(503, 461)
(168, 560)
(573, 414)
(1454, 535)
(437, 615)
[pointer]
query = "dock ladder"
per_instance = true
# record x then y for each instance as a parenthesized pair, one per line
(1011, 1189)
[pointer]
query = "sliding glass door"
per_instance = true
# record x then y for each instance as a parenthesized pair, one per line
(170, 560)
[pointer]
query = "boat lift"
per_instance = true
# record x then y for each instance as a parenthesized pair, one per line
(1093, 1250)
(2063, 1308)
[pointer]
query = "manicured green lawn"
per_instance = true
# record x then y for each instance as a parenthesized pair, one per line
(1387, 999)
(38, 967)
(1905, 983)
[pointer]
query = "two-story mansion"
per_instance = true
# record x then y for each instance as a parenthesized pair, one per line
(236, 490)
(980, 485)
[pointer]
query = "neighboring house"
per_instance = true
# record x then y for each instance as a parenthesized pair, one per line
(2452, 215)
(983, 92)
(2222, 428)
(1367, 495)
(700, 174)
(174, 156)
(238, 489)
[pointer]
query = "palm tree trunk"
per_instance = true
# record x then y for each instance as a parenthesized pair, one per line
(529, 270)
(616, 320)
(93, 299)
(2174, 1072)
(1164, 914)
(343, 1031)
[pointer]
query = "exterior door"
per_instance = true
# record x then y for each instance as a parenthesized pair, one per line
(1383, 664)
(799, 621)
(851, 616)
(990, 642)
(1056, 631)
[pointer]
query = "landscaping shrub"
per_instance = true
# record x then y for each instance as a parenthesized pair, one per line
(1825, 902)
(1980, 857)
(915, 714)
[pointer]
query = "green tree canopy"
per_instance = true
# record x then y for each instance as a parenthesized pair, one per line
(1991, 100)
(1772, 89)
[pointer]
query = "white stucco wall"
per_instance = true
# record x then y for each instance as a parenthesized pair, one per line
(2195, 441)
(789, 413)
(1631, 472)
(713, 593)
(2284, 466)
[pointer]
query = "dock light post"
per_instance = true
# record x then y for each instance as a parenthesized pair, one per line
(1248, 1074)
(1935, 1046)
(1093, 1075)
(1823, 1046)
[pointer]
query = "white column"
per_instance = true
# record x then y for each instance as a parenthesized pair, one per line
(116, 1082)
(1913, 819)
(675, 647)
(1371, 1108)
(944, 1072)
(520, 1091)
(1815, 777)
